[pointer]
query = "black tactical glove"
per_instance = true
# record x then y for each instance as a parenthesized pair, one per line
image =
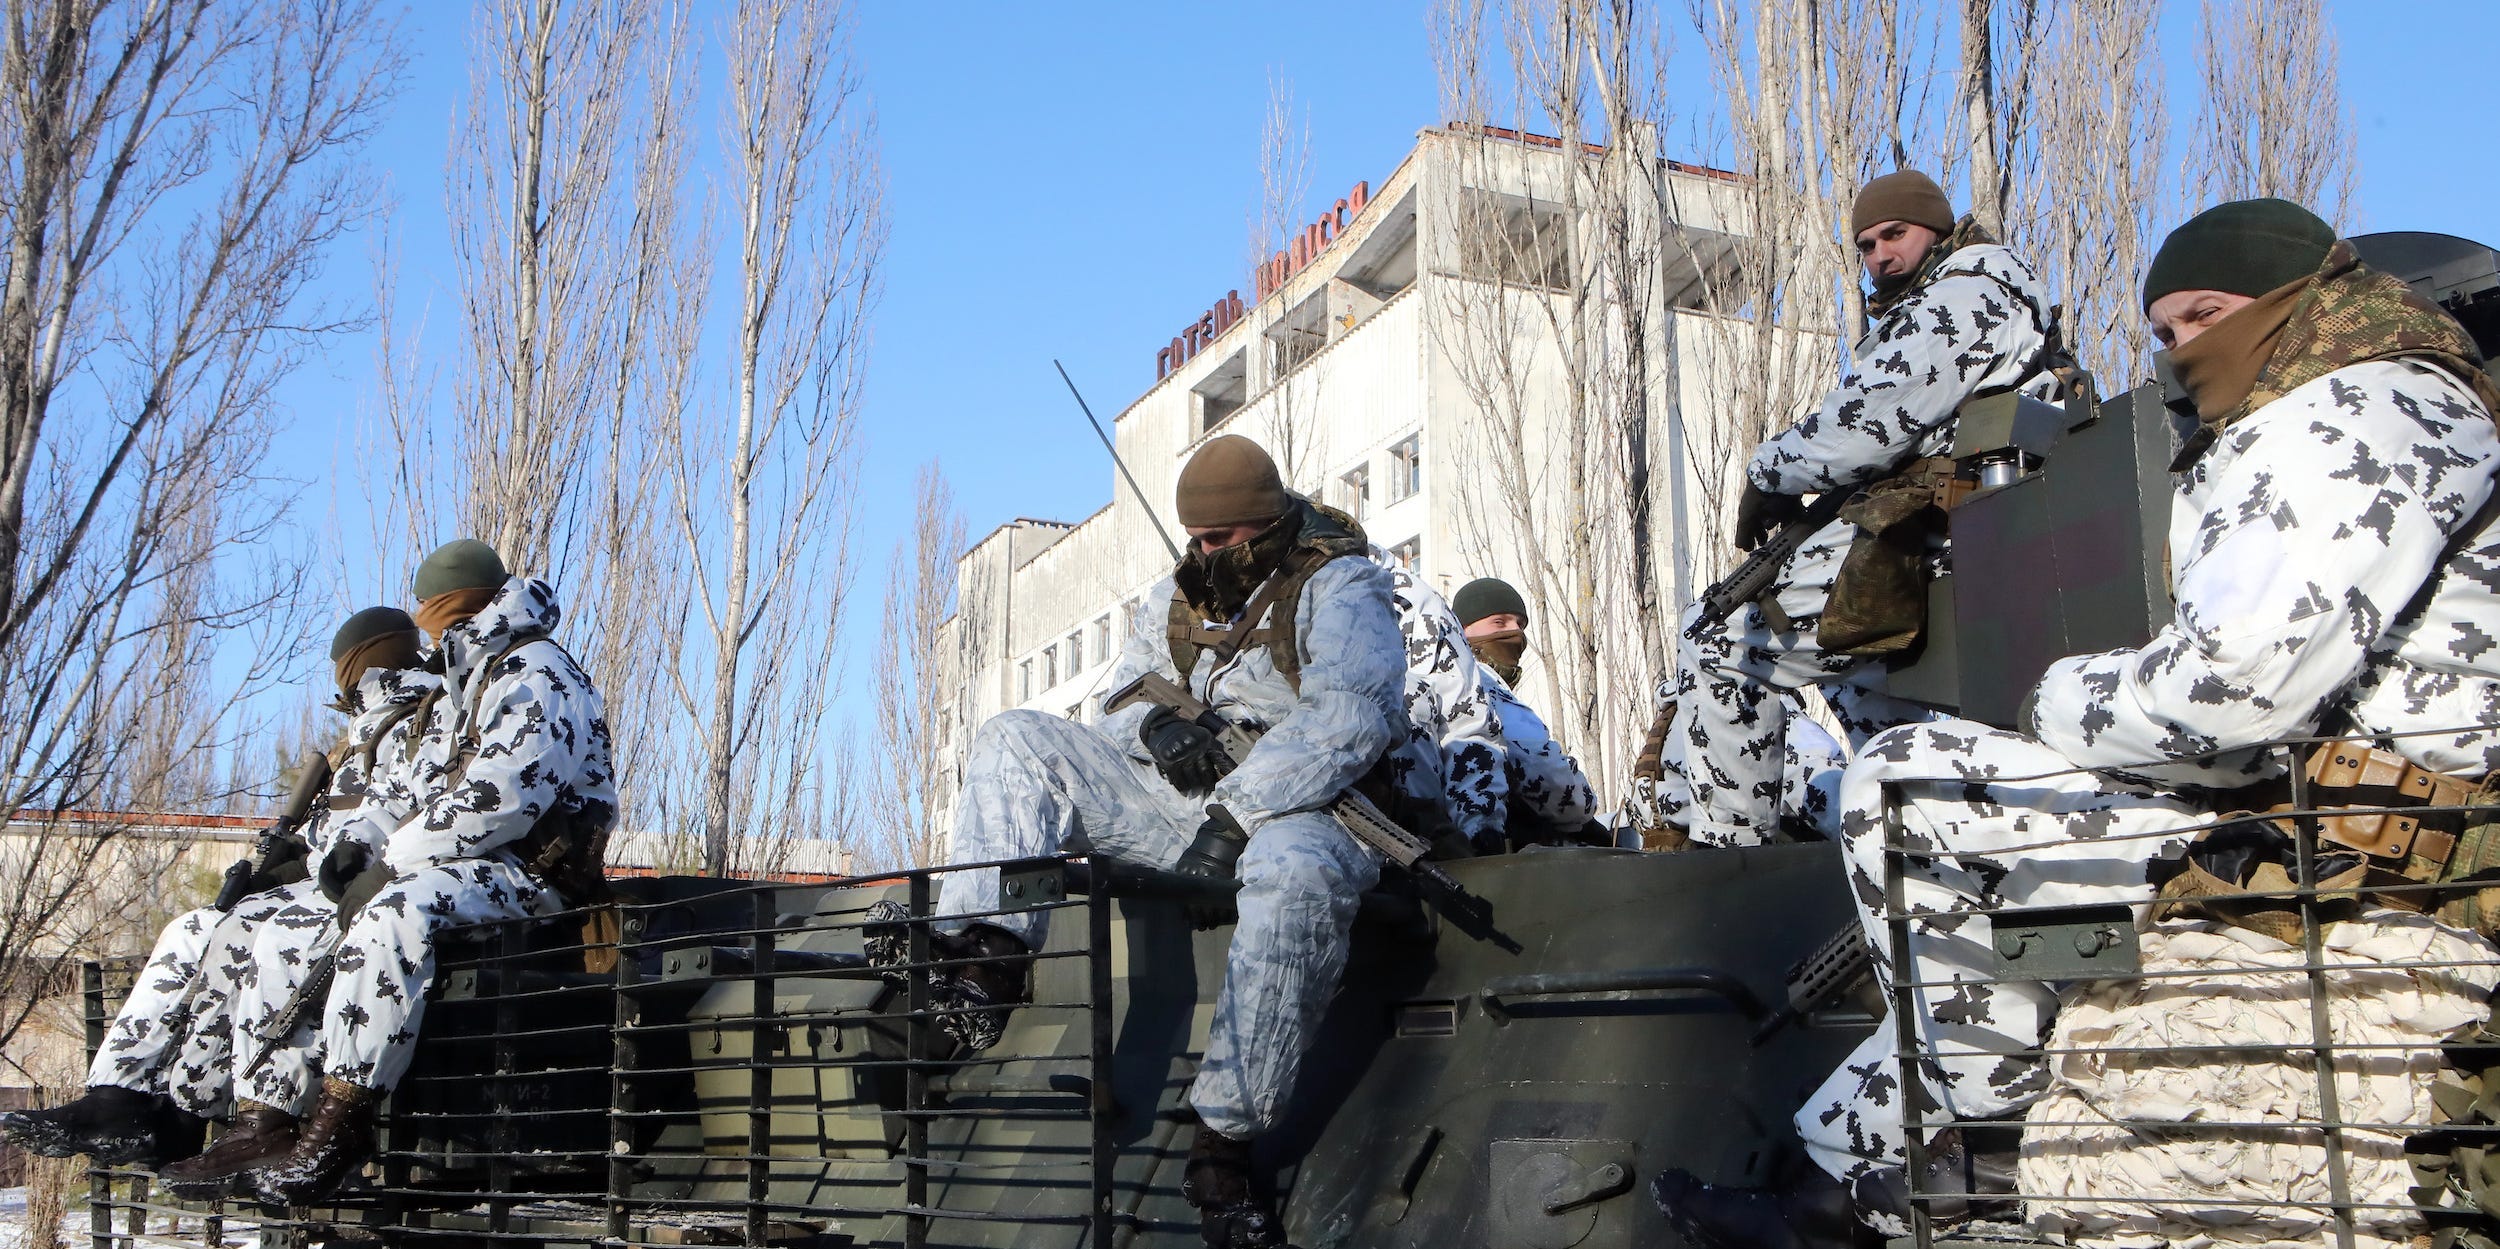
(1184, 751)
(1214, 855)
(1760, 513)
(360, 890)
(344, 863)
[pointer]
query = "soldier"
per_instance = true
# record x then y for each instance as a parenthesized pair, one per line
(1551, 801)
(167, 1060)
(381, 687)
(1461, 778)
(1274, 618)
(1952, 315)
(516, 798)
(2336, 548)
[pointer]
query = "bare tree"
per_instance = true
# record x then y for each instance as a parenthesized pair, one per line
(172, 175)
(1278, 344)
(764, 497)
(913, 692)
(2273, 119)
(580, 296)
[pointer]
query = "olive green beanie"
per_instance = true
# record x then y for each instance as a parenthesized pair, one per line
(1230, 481)
(1487, 596)
(460, 564)
(1907, 195)
(366, 625)
(2246, 247)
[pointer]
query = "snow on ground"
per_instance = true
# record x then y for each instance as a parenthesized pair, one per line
(74, 1227)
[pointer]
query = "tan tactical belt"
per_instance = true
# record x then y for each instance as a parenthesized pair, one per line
(2363, 798)
(2429, 842)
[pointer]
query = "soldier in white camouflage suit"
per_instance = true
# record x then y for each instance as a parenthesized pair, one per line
(1551, 800)
(2335, 558)
(170, 1050)
(1276, 619)
(1450, 714)
(371, 792)
(513, 781)
(1953, 314)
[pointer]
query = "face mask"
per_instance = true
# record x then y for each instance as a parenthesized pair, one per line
(1501, 652)
(1218, 585)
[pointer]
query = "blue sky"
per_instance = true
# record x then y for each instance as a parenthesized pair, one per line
(1076, 184)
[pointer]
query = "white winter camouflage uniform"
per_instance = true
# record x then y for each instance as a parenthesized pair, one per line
(1979, 323)
(1035, 782)
(1545, 781)
(1450, 717)
(373, 790)
(178, 1030)
(541, 747)
(2296, 539)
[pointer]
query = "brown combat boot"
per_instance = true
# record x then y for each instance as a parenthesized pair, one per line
(1217, 1182)
(260, 1136)
(334, 1141)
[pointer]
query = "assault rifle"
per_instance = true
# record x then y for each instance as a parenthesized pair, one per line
(1823, 978)
(1359, 814)
(1747, 582)
(279, 842)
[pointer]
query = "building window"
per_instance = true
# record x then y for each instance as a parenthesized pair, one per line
(1024, 687)
(1406, 468)
(1077, 712)
(1076, 652)
(1354, 491)
(1512, 240)
(1409, 555)
(1128, 618)
(1297, 336)
(1220, 393)
(1050, 666)
(1102, 638)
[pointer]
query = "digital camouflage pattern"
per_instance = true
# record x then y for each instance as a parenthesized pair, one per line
(178, 1030)
(1544, 780)
(1978, 323)
(1036, 783)
(374, 784)
(1450, 714)
(2055, 837)
(519, 733)
(2296, 543)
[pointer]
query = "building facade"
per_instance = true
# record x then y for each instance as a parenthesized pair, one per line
(1417, 358)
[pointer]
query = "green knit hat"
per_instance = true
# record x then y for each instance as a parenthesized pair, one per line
(366, 625)
(460, 564)
(1487, 596)
(2246, 247)
(1904, 195)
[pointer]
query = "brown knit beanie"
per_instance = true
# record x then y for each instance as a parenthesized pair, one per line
(1904, 196)
(1230, 481)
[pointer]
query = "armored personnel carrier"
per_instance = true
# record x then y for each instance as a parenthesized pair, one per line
(714, 1062)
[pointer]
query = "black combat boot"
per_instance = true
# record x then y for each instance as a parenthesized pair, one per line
(980, 994)
(1217, 1182)
(333, 1142)
(1814, 1212)
(113, 1125)
(1969, 1175)
(259, 1137)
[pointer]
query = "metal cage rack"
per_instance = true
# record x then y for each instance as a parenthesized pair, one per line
(2080, 950)
(708, 1062)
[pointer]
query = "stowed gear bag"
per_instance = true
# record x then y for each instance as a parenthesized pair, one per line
(2456, 1166)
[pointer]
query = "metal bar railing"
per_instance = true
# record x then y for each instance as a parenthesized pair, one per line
(2318, 962)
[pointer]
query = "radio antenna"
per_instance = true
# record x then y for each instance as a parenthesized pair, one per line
(1117, 463)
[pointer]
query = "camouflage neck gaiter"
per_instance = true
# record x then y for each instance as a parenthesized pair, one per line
(1218, 585)
(1501, 652)
(1890, 292)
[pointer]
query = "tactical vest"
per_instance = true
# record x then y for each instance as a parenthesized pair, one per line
(1270, 618)
(566, 850)
(346, 750)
